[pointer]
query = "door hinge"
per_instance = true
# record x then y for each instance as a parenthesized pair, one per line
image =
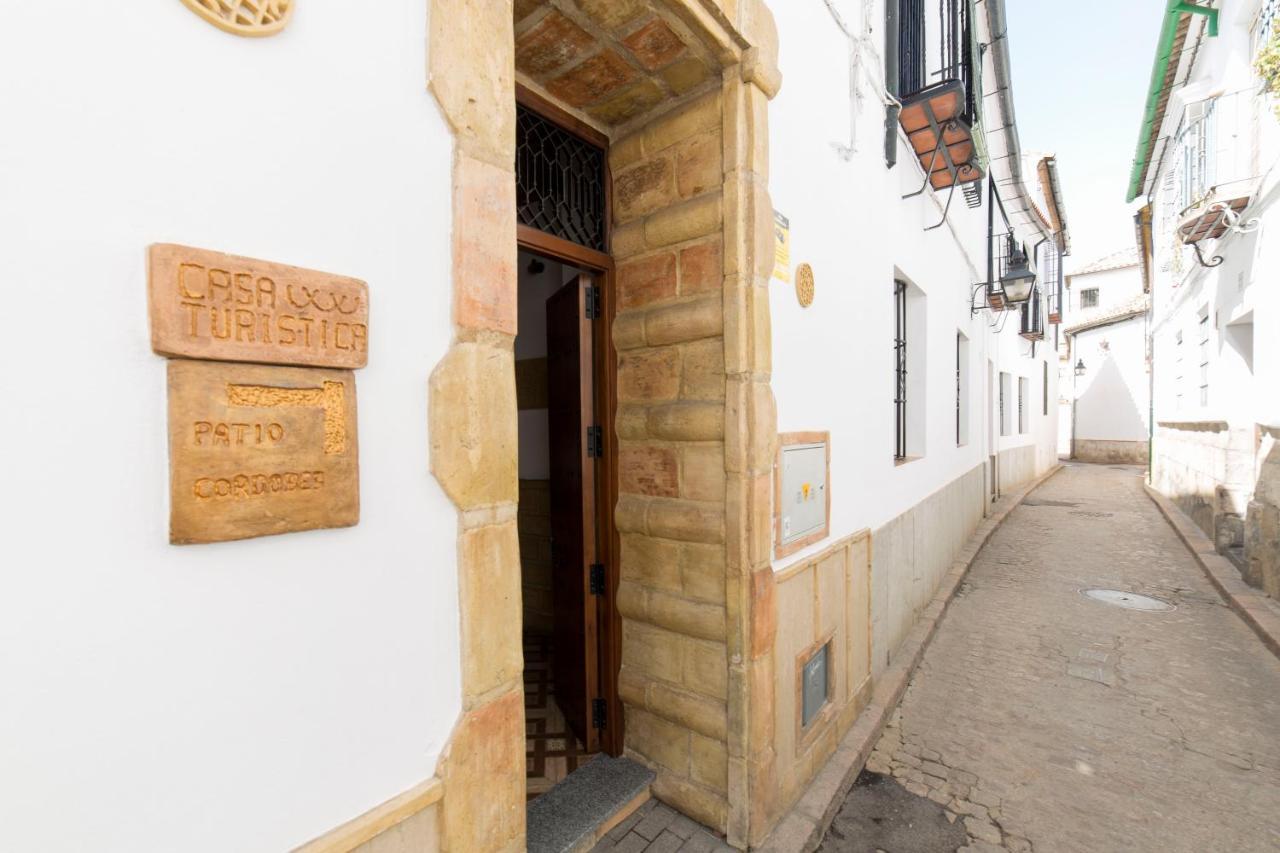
(595, 441)
(597, 579)
(593, 302)
(598, 710)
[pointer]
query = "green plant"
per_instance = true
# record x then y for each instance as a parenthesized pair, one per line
(1267, 66)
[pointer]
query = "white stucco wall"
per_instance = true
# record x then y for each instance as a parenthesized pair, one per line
(1112, 394)
(239, 696)
(1114, 286)
(1243, 369)
(833, 362)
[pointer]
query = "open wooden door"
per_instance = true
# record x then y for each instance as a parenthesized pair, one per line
(575, 447)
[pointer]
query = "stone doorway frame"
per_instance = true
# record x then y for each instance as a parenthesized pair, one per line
(472, 410)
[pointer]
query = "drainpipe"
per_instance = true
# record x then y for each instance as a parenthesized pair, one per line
(891, 112)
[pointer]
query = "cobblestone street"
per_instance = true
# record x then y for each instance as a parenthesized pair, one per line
(1043, 720)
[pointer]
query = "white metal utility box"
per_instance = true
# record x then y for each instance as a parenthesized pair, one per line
(802, 495)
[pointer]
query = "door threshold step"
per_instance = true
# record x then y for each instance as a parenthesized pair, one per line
(586, 804)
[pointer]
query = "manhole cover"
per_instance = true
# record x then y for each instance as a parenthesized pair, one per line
(1130, 600)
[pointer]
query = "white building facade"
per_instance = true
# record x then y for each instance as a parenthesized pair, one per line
(1103, 363)
(1206, 167)
(362, 687)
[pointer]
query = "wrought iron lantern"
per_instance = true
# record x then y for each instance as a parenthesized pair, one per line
(1079, 367)
(1018, 278)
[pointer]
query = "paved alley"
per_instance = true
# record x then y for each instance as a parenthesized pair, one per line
(1040, 719)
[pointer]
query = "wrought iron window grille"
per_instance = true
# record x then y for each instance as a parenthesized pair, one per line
(1004, 429)
(1051, 273)
(951, 36)
(1032, 321)
(959, 409)
(560, 181)
(900, 369)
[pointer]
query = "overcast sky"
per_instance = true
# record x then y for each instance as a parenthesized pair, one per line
(1080, 76)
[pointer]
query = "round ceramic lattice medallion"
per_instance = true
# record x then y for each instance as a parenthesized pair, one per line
(244, 17)
(804, 285)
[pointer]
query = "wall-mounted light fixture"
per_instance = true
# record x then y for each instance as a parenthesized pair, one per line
(1011, 278)
(1018, 278)
(1080, 367)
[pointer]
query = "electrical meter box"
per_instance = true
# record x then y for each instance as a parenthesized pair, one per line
(802, 498)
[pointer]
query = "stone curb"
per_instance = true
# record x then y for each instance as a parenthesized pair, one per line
(801, 829)
(1250, 604)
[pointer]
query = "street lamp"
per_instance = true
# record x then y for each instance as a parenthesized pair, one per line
(1079, 367)
(1018, 277)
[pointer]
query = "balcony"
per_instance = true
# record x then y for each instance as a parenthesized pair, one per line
(941, 139)
(1051, 275)
(938, 92)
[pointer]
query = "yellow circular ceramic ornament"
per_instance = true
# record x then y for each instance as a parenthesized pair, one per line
(804, 285)
(244, 17)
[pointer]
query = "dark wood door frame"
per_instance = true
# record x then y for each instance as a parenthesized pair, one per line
(606, 401)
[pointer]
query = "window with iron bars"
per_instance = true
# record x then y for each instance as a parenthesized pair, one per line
(1089, 297)
(1265, 24)
(1004, 424)
(954, 40)
(1044, 385)
(1196, 141)
(1178, 378)
(1022, 409)
(959, 338)
(1204, 360)
(1051, 274)
(900, 369)
(1032, 321)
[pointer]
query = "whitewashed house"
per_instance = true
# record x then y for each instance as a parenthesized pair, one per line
(691, 363)
(1206, 166)
(1103, 362)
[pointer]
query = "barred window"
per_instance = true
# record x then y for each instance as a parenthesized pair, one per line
(1022, 406)
(1204, 359)
(1089, 298)
(1265, 24)
(900, 369)
(1044, 385)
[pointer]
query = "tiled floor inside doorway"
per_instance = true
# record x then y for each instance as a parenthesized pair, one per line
(551, 750)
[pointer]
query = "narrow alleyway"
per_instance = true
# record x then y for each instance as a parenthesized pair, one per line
(1043, 720)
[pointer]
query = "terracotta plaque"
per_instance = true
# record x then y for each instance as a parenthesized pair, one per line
(256, 450)
(207, 304)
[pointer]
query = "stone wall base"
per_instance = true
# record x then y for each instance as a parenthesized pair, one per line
(1016, 466)
(1110, 452)
(913, 552)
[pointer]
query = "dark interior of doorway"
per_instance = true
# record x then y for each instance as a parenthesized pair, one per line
(558, 520)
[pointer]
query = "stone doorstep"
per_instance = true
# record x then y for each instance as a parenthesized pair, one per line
(802, 828)
(582, 807)
(1251, 605)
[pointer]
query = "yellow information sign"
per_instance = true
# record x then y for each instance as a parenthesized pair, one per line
(781, 247)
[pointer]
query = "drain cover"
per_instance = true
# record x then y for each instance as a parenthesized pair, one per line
(1130, 600)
